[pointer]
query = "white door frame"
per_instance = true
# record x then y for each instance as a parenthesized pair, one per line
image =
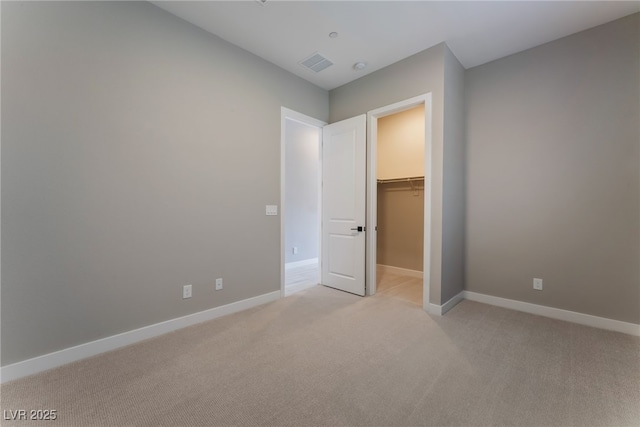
(287, 114)
(372, 185)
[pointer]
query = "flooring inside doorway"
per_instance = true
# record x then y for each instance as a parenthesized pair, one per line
(407, 288)
(390, 284)
(299, 278)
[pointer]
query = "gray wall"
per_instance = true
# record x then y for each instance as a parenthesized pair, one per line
(416, 75)
(138, 153)
(454, 180)
(302, 190)
(553, 173)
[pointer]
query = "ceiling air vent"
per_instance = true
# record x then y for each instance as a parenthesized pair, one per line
(316, 62)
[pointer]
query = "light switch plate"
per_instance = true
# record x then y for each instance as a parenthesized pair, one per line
(272, 210)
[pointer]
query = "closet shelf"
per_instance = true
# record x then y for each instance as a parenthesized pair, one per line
(407, 179)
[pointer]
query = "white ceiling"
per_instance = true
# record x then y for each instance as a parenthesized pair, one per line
(383, 32)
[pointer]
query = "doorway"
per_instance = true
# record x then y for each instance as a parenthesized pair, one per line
(419, 185)
(400, 204)
(369, 263)
(300, 201)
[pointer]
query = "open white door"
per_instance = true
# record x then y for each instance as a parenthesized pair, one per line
(344, 205)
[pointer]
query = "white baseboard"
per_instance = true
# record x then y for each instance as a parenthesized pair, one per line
(434, 309)
(556, 313)
(301, 263)
(439, 310)
(401, 271)
(452, 302)
(82, 351)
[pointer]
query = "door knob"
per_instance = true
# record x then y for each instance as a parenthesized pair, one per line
(359, 229)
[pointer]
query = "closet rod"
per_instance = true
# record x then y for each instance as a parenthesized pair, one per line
(408, 179)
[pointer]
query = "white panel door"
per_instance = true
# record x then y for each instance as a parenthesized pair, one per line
(344, 205)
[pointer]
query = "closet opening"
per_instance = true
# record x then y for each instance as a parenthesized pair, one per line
(399, 194)
(400, 210)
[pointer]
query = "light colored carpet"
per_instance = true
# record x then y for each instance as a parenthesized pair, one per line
(326, 358)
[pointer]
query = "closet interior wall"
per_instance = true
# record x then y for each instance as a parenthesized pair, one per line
(400, 172)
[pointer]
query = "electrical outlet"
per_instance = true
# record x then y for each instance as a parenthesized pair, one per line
(271, 209)
(537, 284)
(295, 250)
(218, 284)
(186, 291)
